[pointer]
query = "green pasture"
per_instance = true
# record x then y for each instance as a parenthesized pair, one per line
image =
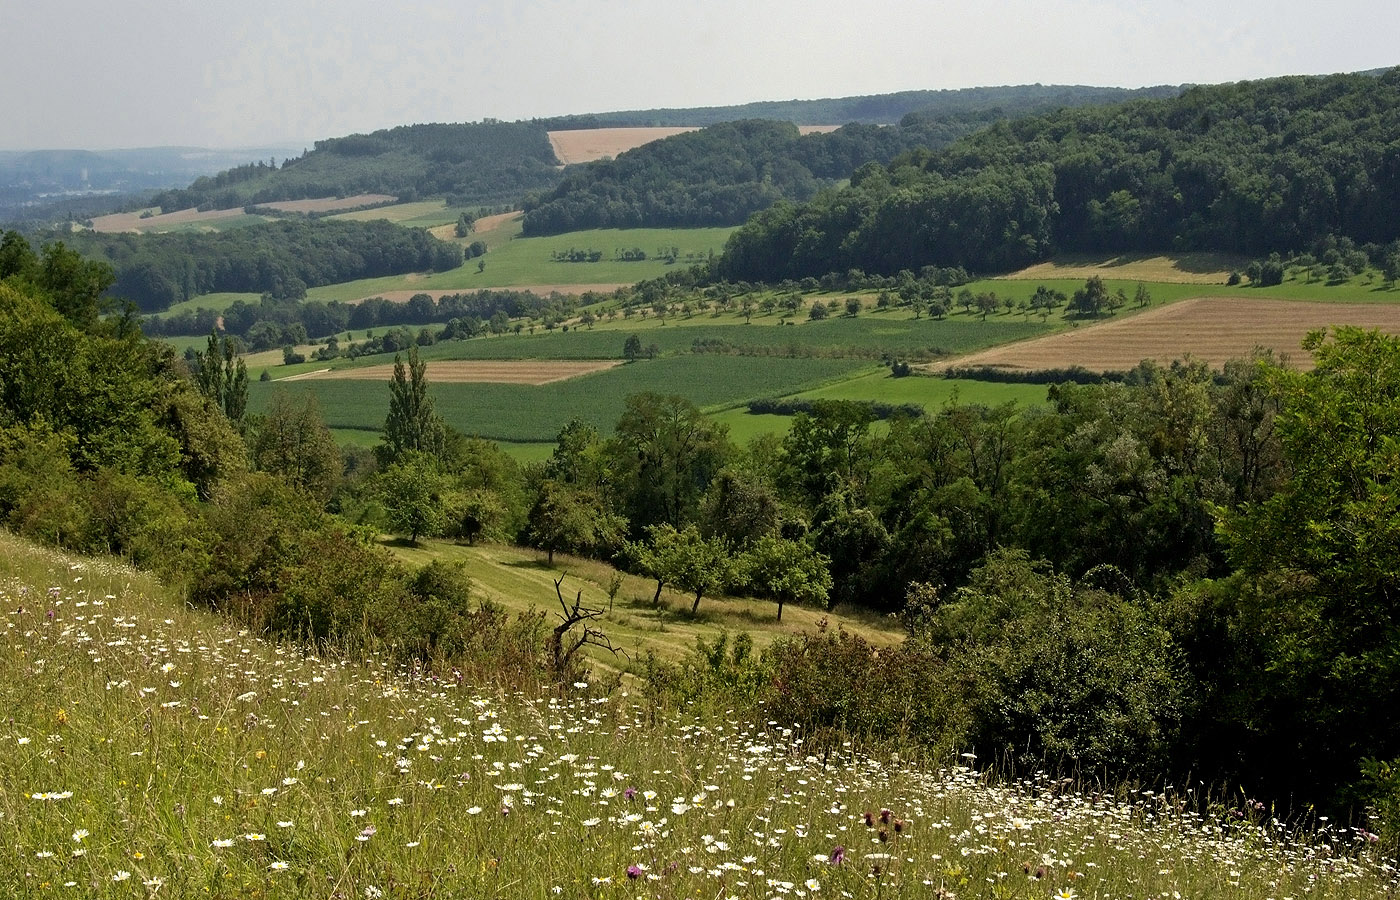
(422, 213)
(528, 261)
(928, 391)
(529, 413)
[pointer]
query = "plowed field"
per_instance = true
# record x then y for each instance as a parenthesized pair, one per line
(1210, 329)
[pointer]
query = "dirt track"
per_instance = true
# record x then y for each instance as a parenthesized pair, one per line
(1210, 329)
(461, 371)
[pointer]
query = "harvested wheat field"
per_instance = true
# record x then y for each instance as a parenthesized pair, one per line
(1185, 268)
(463, 371)
(1210, 329)
(589, 144)
(329, 204)
(118, 222)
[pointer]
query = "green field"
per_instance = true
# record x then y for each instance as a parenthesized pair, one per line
(528, 261)
(420, 213)
(528, 413)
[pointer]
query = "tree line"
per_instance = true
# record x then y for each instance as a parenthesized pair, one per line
(1278, 165)
(279, 258)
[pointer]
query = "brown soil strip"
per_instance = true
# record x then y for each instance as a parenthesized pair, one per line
(1210, 329)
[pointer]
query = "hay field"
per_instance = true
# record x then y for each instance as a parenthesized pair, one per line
(472, 371)
(1210, 329)
(328, 204)
(589, 144)
(1184, 268)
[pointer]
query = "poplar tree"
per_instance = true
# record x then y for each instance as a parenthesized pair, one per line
(222, 378)
(412, 425)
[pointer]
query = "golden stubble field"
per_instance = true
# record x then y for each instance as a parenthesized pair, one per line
(590, 144)
(1210, 329)
(464, 371)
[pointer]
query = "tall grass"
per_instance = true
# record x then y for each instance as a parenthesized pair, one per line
(153, 750)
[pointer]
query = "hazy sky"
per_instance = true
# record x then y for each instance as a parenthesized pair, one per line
(116, 73)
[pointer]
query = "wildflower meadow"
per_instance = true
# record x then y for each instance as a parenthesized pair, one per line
(148, 749)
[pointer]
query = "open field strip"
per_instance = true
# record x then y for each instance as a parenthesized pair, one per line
(1210, 329)
(328, 204)
(590, 144)
(158, 750)
(132, 221)
(523, 371)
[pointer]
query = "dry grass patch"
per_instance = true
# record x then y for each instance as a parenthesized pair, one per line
(463, 371)
(1211, 329)
(1185, 268)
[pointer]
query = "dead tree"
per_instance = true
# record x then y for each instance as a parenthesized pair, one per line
(575, 614)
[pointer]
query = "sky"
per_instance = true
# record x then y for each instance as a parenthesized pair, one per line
(102, 74)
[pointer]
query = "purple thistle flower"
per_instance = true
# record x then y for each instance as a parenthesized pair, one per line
(634, 872)
(838, 856)
(630, 793)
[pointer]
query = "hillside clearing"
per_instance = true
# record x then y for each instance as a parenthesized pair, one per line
(1209, 329)
(522, 371)
(132, 221)
(591, 144)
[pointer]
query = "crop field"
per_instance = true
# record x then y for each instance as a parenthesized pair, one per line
(456, 371)
(158, 750)
(422, 213)
(536, 413)
(589, 144)
(1210, 329)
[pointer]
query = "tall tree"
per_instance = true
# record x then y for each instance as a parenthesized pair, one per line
(222, 377)
(294, 442)
(412, 424)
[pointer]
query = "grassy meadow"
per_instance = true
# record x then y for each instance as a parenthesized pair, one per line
(157, 750)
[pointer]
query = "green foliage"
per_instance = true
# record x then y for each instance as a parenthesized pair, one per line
(788, 571)
(1323, 553)
(686, 559)
(1052, 669)
(664, 454)
(222, 378)
(574, 519)
(412, 490)
(281, 259)
(293, 442)
(412, 425)
(1276, 165)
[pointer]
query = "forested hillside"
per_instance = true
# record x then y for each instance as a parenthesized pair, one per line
(281, 258)
(722, 174)
(468, 163)
(875, 109)
(1285, 164)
